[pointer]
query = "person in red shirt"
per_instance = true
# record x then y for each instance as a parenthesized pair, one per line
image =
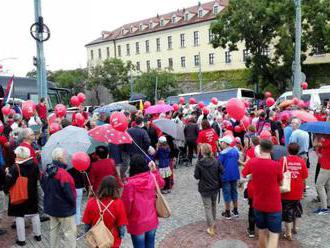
(114, 216)
(291, 205)
(42, 110)
(26, 136)
(266, 200)
(103, 167)
(208, 136)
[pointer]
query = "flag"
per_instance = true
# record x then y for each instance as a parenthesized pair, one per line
(9, 90)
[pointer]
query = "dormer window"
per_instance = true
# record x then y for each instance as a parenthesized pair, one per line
(200, 13)
(215, 9)
(122, 31)
(162, 22)
(173, 19)
(186, 16)
(150, 25)
(132, 29)
(141, 27)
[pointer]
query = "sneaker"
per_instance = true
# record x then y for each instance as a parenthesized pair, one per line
(250, 233)
(226, 214)
(321, 211)
(37, 238)
(235, 213)
(20, 243)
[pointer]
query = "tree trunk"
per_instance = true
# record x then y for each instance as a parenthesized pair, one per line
(97, 96)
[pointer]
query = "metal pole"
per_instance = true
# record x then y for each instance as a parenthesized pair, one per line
(297, 60)
(131, 81)
(200, 77)
(41, 65)
(156, 89)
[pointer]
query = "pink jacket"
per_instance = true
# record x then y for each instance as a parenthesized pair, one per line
(139, 197)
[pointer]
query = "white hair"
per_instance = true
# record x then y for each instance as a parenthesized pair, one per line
(297, 121)
(58, 154)
(24, 134)
(22, 152)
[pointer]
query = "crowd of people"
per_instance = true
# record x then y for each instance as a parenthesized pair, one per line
(258, 155)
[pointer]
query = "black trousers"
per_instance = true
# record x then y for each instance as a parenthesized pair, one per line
(192, 146)
(252, 219)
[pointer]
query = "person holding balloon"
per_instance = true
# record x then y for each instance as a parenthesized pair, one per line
(60, 200)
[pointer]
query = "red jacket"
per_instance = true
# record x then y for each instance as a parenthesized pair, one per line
(32, 152)
(139, 199)
(112, 222)
(42, 111)
(101, 169)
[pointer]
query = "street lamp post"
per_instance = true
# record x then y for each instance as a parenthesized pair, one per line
(297, 59)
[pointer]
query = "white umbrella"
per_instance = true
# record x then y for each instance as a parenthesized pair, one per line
(171, 128)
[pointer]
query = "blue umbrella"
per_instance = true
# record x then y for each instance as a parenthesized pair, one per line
(321, 127)
(112, 107)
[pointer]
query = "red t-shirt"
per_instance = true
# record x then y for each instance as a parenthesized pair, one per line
(324, 152)
(299, 173)
(208, 136)
(250, 152)
(3, 140)
(42, 111)
(112, 222)
(266, 179)
(101, 169)
(32, 152)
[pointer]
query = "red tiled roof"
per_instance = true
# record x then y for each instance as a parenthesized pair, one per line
(117, 33)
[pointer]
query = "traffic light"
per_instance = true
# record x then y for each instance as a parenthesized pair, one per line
(35, 61)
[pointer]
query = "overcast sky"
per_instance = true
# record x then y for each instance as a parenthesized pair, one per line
(73, 23)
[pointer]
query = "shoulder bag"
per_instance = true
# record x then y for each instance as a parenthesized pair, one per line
(99, 236)
(162, 207)
(286, 183)
(19, 191)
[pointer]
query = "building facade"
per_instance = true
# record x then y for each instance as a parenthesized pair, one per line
(179, 41)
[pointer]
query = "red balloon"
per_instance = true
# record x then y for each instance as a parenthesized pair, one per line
(75, 102)
(206, 111)
(181, 100)
(1, 127)
(5, 110)
(268, 94)
(214, 100)
(28, 108)
(146, 104)
(119, 121)
(236, 108)
(265, 134)
(295, 101)
(245, 122)
(237, 129)
(201, 104)
(54, 127)
(175, 107)
(60, 110)
(161, 102)
(304, 85)
(270, 101)
(80, 161)
(192, 100)
(82, 98)
(79, 120)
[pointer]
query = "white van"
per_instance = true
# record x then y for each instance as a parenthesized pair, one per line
(315, 96)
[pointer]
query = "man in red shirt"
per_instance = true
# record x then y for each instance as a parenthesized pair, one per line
(103, 167)
(42, 109)
(266, 179)
(208, 136)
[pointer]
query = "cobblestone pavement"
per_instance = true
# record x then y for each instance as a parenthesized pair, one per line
(186, 227)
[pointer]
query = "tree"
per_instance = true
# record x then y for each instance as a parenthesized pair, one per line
(262, 25)
(146, 84)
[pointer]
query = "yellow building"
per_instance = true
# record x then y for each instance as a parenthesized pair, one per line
(178, 40)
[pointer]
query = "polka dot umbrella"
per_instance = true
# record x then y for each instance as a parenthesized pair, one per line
(106, 133)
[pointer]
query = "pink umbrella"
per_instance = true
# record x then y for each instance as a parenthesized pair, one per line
(303, 116)
(159, 108)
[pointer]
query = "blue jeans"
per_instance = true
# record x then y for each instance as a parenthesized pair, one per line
(146, 240)
(229, 190)
(78, 206)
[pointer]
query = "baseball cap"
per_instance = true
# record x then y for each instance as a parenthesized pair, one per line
(162, 139)
(227, 139)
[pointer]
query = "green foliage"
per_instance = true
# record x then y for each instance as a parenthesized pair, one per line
(146, 83)
(270, 24)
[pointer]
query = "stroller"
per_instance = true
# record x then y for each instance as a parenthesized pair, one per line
(182, 159)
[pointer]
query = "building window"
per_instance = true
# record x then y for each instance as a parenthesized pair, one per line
(137, 47)
(196, 60)
(211, 58)
(215, 9)
(196, 38)
(92, 54)
(183, 62)
(128, 51)
(161, 22)
(245, 54)
(170, 63)
(186, 16)
(158, 44)
(108, 52)
(132, 29)
(159, 64)
(148, 65)
(227, 57)
(173, 19)
(141, 27)
(182, 40)
(169, 42)
(100, 53)
(211, 36)
(138, 66)
(200, 13)
(265, 52)
(119, 51)
(147, 46)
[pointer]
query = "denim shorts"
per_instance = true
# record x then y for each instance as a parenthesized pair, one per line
(229, 190)
(270, 221)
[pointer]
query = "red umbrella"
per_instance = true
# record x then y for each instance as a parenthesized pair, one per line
(106, 133)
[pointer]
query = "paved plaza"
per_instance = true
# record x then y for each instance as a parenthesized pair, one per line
(186, 227)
